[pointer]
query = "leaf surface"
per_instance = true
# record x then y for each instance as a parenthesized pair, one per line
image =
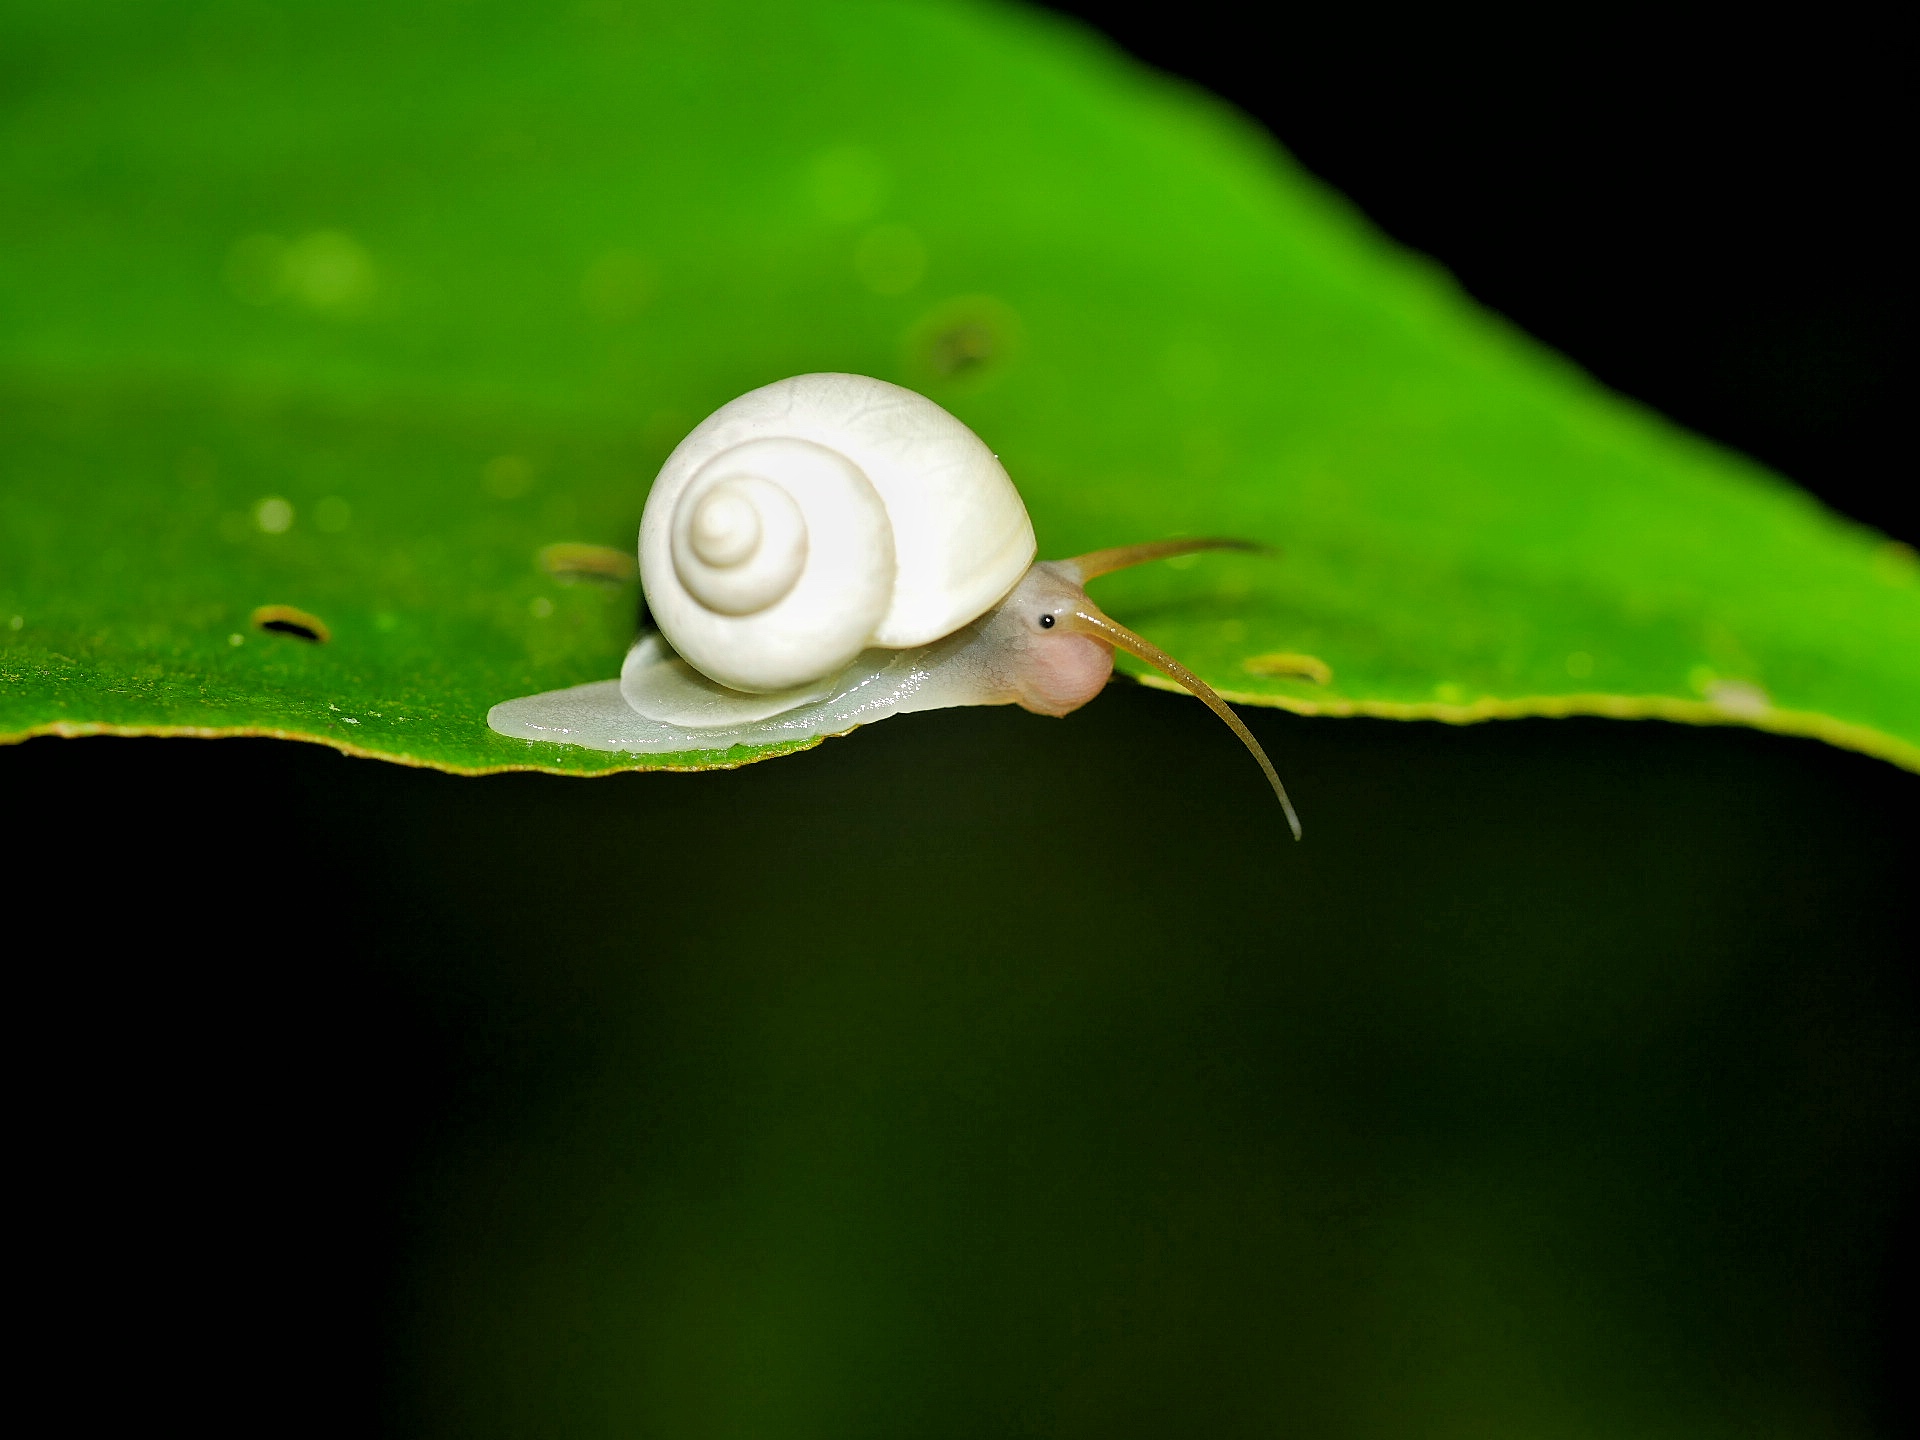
(358, 311)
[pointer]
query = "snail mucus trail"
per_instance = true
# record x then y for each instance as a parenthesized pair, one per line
(830, 550)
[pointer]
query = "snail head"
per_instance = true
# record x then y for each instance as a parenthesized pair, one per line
(1060, 644)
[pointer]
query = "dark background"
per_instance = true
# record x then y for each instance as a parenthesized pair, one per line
(962, 1077)
(1701, 207)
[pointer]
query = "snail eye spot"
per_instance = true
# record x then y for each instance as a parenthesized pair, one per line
(1046, 622)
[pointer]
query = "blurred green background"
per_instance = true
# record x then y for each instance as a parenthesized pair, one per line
(975, 1075)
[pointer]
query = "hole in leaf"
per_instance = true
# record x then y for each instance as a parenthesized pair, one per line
(286, 620)
(1290, 667)
(569, 562)
(963, 339)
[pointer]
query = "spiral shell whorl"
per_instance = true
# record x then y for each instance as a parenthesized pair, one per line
(779, 565)
(812, 518)
(739, 540)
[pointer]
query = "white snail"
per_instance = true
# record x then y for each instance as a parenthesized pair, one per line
(830, 550)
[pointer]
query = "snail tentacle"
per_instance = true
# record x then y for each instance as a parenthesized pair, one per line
(1090, 620)
(1096, 563)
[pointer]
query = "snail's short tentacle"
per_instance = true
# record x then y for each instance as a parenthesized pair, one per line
(1118, 557)
(1090, 620)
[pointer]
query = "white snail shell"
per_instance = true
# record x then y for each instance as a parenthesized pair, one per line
(821, 516)
(830, 550)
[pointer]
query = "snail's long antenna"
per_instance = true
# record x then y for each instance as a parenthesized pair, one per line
(1119, 557)
(1091, 621)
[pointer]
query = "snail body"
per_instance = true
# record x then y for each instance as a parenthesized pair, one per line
(829, 550)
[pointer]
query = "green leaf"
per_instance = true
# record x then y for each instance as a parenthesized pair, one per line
(357, 309)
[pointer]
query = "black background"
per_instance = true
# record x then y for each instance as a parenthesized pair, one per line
(1703, 208)
(280, 989)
